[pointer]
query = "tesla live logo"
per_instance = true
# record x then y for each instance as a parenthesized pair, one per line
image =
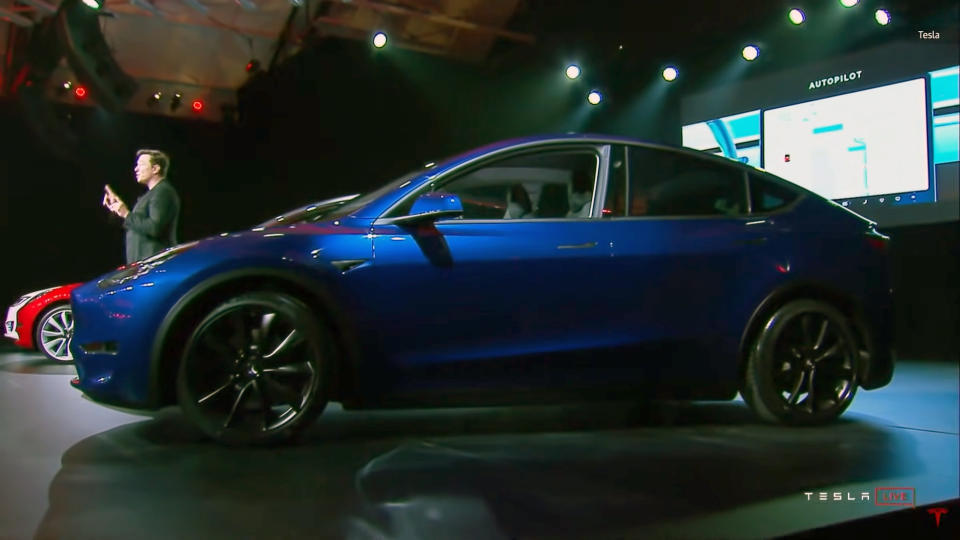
(881, 496)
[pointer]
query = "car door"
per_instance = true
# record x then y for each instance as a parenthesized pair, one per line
(686, 248)
(487, 303)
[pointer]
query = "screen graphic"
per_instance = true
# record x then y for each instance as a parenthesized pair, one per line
(863, 144)
(736, 137)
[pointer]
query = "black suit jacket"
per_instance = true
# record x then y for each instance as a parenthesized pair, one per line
(152, 223)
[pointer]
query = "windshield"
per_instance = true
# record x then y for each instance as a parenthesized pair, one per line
(311, 212)
(358, 203)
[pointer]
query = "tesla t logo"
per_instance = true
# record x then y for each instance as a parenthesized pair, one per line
(895, 496)
(937, 512)
(786, 158)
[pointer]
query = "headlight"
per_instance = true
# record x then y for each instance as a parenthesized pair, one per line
(141, 268)
(30, 296)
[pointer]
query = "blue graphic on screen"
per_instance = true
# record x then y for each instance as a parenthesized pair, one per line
(736, 137)
(945, 102)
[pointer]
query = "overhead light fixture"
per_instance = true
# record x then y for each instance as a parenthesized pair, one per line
(796, 16)
(379, 40)
(670, 74)
(594, 97)
(175, 101)
(197, 106)
(849, 3)
(93, 4)
(62, 89)
(572, 71)
(882, 16)
(154, 98)
(80, 92)
(750, 53)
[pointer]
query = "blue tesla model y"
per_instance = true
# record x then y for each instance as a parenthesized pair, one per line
(547, 268)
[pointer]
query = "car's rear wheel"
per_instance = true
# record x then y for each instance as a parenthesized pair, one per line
(53, 333)
(254, 370)
(803, 365)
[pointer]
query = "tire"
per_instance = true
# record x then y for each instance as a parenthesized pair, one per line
(803, 365)
(255, 369)
(53, 333)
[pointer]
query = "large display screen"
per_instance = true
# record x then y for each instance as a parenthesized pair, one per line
(862, 144)
(884, 143)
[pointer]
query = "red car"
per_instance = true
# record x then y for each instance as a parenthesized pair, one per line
(42, 320)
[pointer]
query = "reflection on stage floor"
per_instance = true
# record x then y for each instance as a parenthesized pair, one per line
(74, 469)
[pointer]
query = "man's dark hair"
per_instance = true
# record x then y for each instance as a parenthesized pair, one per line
(157, 158)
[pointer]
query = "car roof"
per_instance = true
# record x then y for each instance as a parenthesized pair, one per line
(591, 138)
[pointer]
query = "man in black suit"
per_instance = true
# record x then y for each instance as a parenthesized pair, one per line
(152, 224)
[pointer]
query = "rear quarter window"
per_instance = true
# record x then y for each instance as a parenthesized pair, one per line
(768, 196)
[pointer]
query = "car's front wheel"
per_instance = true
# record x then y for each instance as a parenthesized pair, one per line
(803, 365)
(253, 371)
(53, 333)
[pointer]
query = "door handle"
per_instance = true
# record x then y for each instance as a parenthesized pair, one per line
(585, 245)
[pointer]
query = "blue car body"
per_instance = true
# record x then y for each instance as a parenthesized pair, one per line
(484, 310)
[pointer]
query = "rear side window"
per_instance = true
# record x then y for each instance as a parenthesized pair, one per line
(662, 183)
(767, 196)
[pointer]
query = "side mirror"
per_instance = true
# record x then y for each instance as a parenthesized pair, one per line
(431, 207)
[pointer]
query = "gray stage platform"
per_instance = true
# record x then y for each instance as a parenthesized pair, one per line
(73, 469)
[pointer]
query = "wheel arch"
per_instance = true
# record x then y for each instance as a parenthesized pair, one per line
(180, 320)
(845, 303)
(49, 305)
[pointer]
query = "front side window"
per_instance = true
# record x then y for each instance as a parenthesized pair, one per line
(661, 183)
(544, 185)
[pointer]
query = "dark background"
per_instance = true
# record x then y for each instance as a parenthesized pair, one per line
(340, 118)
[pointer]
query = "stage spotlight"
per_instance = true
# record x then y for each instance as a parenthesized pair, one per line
(80, 92)
(882, 16)
(670, 74)
(379, 40)
(175, 101)
(594, 97)
(93, 4)
(154, 98)
(849, 3)
(197, 106)
(796, 16)
(572, 71)
(750, 53)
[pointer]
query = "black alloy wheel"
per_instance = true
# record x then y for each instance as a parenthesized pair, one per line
(803, 366)
(254, 370)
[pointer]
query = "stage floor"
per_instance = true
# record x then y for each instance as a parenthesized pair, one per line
(74, 469)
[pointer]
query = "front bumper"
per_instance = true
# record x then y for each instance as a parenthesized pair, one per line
(111, 346)
(11, 325)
